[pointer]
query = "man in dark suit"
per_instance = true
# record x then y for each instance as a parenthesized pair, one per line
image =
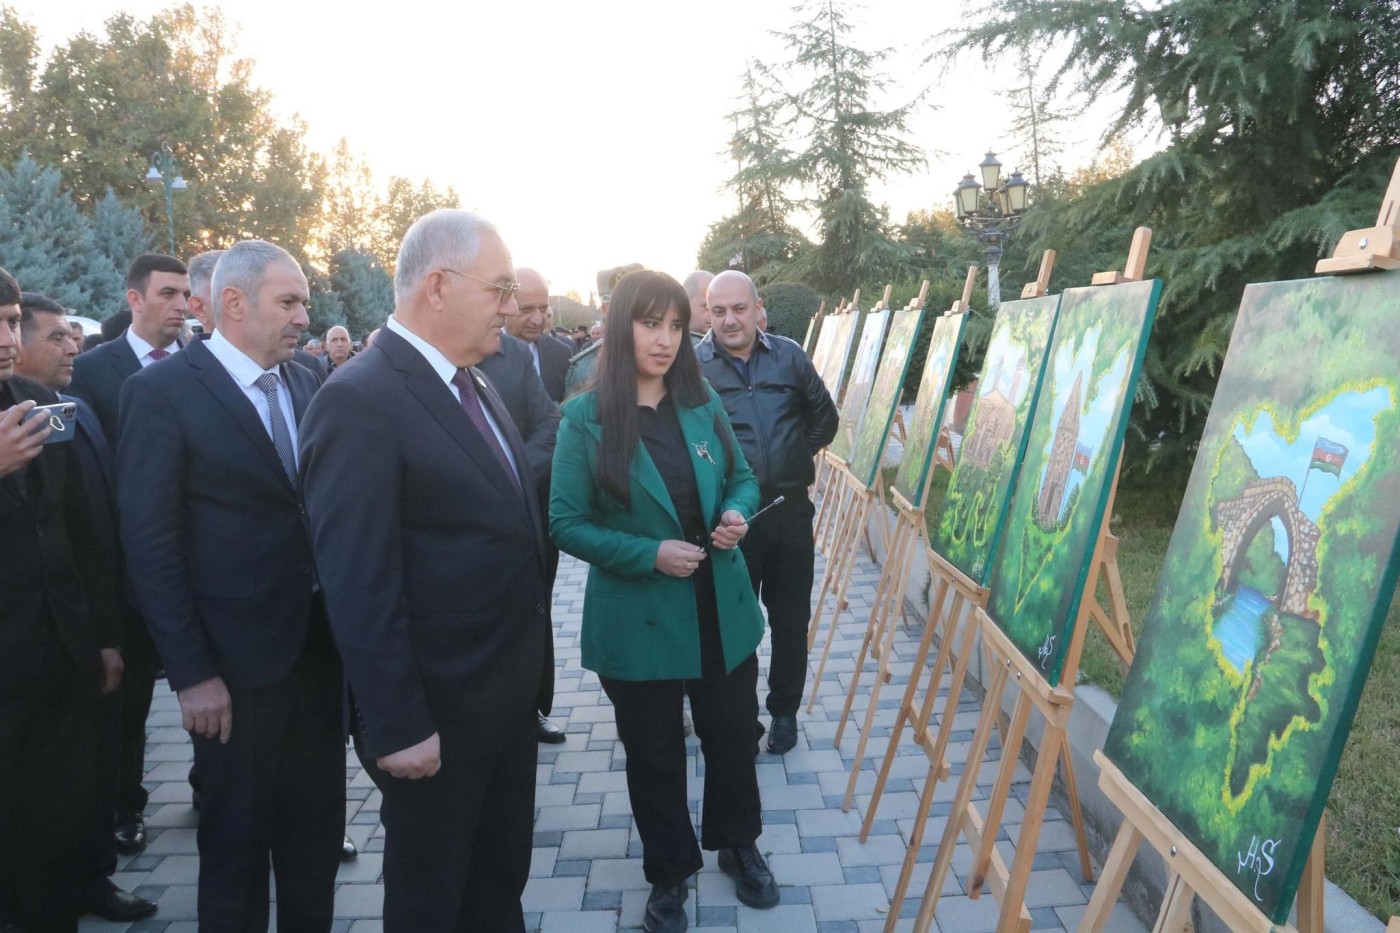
(431, 547)
(47, 358)
(219, 557)
(512, 372)
(531, 324)
(59, 652)
(158, 294)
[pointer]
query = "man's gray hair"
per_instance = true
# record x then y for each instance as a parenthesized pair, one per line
(243, 266)
(444, 239)
(202, 272)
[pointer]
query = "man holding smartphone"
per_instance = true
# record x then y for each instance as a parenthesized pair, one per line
(59, 617)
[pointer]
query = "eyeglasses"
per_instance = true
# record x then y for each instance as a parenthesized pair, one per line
(508, 290)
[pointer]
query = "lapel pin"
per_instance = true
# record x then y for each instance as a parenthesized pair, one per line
(702, 450)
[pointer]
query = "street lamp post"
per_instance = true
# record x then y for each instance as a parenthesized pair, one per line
(991, 211)
(164, 173)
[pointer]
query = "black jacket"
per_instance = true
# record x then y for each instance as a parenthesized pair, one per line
(782, 413)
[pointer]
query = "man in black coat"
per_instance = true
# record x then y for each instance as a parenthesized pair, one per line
(219, 557)
(430, 543)
(59, 652)
(531, 324)
(48, 351)
(158, 294)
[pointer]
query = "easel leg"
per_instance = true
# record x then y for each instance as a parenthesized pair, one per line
(1175, 914)
(1014, 900)
(1076, 813)
(1311, 888)
(1001, 790)
(1115, 872)
(847, 570)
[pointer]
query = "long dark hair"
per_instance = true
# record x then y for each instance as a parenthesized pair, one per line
(638, 296)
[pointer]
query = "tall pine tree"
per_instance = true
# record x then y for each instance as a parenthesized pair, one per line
(119, 233)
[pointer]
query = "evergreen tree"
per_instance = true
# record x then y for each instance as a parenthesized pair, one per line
(46, 242)
(120, 234)
(758, 239)
(365, 290)
(326, 309)
(1283, 124)
(848, 142)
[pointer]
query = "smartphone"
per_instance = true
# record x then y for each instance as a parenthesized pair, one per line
(63, 418)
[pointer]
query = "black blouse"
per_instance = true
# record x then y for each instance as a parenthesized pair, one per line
(660, 430)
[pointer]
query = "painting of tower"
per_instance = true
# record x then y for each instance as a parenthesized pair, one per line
(994, 421)
(1056, 482)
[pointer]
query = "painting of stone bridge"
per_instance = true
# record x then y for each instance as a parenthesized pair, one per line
(1242, 517)
(1273, 592)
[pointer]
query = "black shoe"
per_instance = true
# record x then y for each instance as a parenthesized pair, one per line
(550, 734)
(784, 734)
(119, 906)
(130, 832)
(753, 882)
(666, 909)
(348, 852)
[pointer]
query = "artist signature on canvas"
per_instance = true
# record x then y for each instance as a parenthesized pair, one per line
(1260, 858)
(1047, 651)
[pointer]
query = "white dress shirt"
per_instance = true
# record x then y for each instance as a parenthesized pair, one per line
(446, 371)
(142, 349)
(245, 373)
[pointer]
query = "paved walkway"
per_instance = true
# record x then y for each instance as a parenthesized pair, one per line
(587, 870)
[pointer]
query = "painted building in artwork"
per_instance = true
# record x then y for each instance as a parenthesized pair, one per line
(1056, 484)
(994, 421)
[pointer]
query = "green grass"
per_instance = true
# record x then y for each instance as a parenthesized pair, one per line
(1363, 811)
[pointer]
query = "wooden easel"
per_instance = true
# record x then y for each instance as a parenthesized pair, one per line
(1191, 873)
(812, 329)
(833, 374)
(910, 531)
(1033, 693)
(855, 500)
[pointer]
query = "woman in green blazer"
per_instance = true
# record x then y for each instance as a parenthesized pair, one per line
(651, 489)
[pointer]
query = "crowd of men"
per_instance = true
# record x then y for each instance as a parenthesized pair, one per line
(316, 541)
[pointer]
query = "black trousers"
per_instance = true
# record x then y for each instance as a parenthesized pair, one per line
(134, 701)
(780, 555)
(648, 717)
(50, 739)
(457, 845)
(276, 793)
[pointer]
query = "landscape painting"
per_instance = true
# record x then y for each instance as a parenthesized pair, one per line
(874, 428)
(1068, 471)
(974, 507)
(860, 381)
(926, 417)
(843, 332)
(1281, 568)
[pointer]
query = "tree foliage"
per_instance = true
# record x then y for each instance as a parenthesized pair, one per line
(1284, 125)
(48, 244)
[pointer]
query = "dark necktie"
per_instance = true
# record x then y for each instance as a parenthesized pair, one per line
(471, 404)
(281, 436)
(159, 354)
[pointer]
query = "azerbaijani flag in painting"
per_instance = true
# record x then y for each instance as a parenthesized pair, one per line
(1328, 457)
(1082, 453)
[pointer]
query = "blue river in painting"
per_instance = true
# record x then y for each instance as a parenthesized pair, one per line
(1239, 629)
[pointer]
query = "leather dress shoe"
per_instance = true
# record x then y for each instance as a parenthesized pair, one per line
(666, 909)
(130, 832)
(753, 882)
(550, 734)
(120, 906)
(348, 852)
(783, 736)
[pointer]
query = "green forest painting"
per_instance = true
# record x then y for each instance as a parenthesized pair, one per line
(1067, 473)
(842, 329)
(1275, 586)
(874, 428)
(860, 381)
(926, 417)
(979, 490)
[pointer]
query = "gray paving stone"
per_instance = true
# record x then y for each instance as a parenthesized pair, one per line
(594, 843)
(546, 894)
(850, 902)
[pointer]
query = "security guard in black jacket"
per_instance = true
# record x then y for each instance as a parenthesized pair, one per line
(783, 416)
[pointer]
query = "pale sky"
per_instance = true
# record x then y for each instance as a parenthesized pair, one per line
(593, 134)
